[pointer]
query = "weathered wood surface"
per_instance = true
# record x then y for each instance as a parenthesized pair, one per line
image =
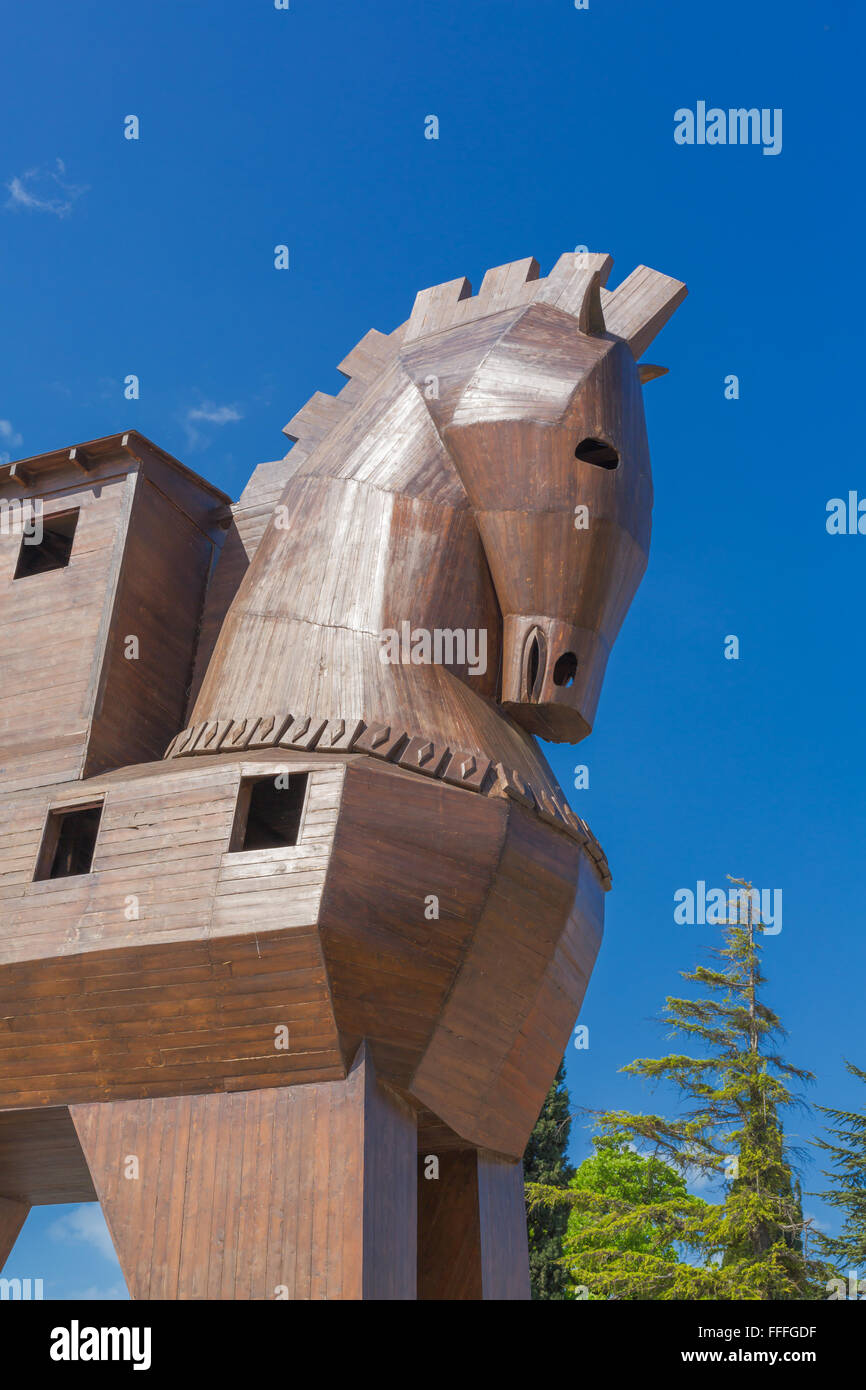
(250, 515)
(71, 702)
(305, 1192)
(465, 1011)
(162, 871)
(472, 1240)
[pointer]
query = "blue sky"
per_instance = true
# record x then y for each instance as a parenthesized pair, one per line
(306, 127)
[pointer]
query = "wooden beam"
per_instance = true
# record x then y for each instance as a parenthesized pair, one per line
(640, 307)
(12, 1217)
(16, 473)
(82, 459)
(317, 418)
(648, 371)
(304, 1192)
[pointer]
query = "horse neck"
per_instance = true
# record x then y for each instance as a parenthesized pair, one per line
(374, 530)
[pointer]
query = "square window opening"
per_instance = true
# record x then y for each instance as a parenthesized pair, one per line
(69, 842)
(270, 811)
(54, 549)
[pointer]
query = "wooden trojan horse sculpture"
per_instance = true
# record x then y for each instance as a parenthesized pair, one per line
(289, 999)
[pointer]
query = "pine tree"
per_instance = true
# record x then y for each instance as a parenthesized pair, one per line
(546, 1162)
(751, 1244)
(847, 1251)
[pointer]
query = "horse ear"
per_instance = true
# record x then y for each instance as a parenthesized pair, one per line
(641, 306)
(590, 316)
(648, 371)
(574, 285)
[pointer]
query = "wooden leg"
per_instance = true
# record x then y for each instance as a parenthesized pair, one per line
(12, 1217)
(301, 1192)
(504, 1245)
(472, 1228)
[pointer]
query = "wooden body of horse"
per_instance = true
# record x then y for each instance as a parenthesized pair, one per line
(257, 1053)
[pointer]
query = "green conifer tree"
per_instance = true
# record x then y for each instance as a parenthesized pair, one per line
(546, 1163)
(750, 1245)
(847, 1251)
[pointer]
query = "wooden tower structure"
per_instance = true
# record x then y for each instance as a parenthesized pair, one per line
(291, 903)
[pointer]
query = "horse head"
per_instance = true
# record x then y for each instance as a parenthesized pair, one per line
(535, 389)
(485, 468)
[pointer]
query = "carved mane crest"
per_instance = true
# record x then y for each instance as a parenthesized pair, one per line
(635, 311)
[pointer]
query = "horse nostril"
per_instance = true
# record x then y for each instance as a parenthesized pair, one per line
(532, 671)
(565, 669)
(534, 658)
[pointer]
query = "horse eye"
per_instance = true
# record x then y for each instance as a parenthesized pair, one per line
(598, 452)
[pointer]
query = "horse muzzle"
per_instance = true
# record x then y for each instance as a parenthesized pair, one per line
(551, 676)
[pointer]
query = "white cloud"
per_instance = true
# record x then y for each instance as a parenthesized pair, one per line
(215, 414)
(209, 414)
(84, 1225)
(43, 190)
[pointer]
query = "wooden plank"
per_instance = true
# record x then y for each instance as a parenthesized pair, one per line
(640, 307)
